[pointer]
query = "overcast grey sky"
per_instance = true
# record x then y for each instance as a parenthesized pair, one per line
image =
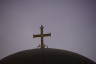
(71, 22)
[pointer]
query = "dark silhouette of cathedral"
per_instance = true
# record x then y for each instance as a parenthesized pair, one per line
(45, 55)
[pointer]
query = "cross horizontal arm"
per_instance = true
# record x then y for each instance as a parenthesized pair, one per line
(47, 34)
(39, 35)
(34, 36)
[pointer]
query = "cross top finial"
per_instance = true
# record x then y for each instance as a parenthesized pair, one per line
(42, 35)
(41, 26)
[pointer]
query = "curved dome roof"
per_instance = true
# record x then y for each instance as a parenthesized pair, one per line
(46, 56)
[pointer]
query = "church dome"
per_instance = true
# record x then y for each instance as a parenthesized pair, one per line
(46, 56)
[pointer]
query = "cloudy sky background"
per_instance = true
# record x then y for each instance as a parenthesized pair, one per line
(71, 22)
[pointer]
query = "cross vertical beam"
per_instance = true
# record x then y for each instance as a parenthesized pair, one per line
(42, 45)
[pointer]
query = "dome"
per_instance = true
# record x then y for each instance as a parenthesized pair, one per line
(46, 56)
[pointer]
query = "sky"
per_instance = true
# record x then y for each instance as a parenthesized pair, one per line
(72, 24)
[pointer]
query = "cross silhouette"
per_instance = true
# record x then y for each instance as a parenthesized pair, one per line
(42, 36)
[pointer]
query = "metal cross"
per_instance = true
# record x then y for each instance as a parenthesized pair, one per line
(42, 36)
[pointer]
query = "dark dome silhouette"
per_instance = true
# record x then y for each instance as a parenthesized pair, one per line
(46, 56)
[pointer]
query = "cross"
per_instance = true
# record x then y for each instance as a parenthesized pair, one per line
(42, 36)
